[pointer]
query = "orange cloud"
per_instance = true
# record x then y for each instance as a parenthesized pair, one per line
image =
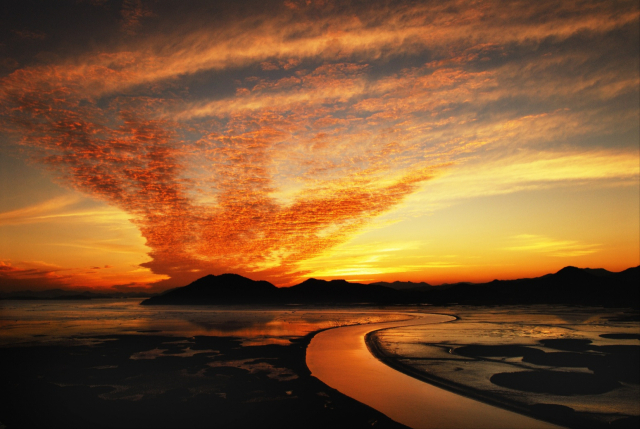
(328, 135)
(33, 276)
(137, 165)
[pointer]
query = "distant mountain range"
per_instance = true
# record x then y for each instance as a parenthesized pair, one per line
(570, 286)
(64, 294)
(407, 285)
(235, 289)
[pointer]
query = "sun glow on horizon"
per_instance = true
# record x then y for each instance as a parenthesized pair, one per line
(406, 141)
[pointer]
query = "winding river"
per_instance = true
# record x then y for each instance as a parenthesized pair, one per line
(339, 358)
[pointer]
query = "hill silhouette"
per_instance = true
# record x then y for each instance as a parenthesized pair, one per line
(569, 286)
(340, 291)
(422, 286)
(222, 289)
(235, 289)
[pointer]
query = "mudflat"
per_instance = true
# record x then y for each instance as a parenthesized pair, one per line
(113, 364)
(573, 366)
(160, 381)
(340, 358)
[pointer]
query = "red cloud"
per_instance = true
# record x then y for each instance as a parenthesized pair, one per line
(33, 277)
(287, 167)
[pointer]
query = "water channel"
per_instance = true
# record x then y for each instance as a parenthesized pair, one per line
(339, 357)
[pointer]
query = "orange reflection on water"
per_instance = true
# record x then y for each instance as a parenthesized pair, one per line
(46, 321)
(340, 359)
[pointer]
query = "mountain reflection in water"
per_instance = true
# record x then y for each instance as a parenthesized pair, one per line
(47, 321)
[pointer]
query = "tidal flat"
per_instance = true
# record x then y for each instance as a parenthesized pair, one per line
(115, 363)
(110, 363)
(573, 366)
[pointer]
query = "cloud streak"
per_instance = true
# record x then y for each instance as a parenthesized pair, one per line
(314, 129)
(552, 247)
(32, 276)
(37, 211)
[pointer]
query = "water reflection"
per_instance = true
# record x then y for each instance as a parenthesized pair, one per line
(117, 364)
(576, 366)
(38, 322)
(340, 359)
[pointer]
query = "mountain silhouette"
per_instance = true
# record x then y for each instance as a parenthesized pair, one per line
(569, 286)
(235, 289)
(222, 289)
(422, 286)
(340, 291)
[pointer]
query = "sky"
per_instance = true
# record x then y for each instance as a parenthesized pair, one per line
(145, 144)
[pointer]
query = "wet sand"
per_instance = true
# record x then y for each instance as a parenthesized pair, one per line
(572, 366)
(166, 381)
(114, 364)
(340, 358)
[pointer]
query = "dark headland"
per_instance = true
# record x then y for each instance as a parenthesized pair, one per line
(569, 286)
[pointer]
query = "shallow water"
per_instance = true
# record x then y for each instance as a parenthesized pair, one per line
(582, 361)
(340, 358)
(431, 349)
(54, 321)
(155, 380)
(114, 363)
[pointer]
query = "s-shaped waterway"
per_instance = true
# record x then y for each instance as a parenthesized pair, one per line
(339, 358)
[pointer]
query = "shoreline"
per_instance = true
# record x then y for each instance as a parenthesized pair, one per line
(143, 379)
(341, 359)
(442, 383)
(550, 413)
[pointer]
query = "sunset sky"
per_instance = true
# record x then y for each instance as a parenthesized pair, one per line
(146, 144)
